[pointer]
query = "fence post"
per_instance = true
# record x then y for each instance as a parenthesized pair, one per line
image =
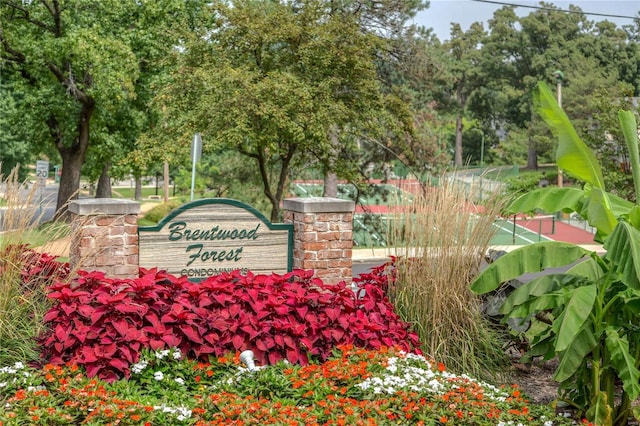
(322, 236)
(104, 236)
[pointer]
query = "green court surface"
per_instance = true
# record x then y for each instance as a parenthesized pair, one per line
(369, 231)
(509, 234)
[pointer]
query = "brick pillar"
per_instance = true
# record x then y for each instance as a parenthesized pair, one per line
(322, 236)
(104, 236)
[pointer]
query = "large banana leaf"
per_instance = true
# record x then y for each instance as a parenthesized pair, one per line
(534, 288)
(550, 200)
(623, 362)
(532, 258)
(623, 250)
(630, 132)
(572, 358)
(536, 304)
(575, 157)
(572, 155)
(574, 315)
(549, 283)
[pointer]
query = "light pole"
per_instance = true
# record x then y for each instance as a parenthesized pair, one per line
(481, 147)
(559, 77)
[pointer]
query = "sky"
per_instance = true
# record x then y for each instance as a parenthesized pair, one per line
(442, 13)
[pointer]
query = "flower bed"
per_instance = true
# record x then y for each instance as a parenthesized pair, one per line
(352, 387)
(161, 350)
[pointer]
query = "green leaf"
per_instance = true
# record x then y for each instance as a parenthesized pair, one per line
(589, 268)
(598, 211)
(630, 132)
(631, 298)
(532, 258)
(623, 250)
(575, 314)
(575, 355)
(634, 217)
(542, 346)
(549, 200)
(534, 288)
(623, 362)
(572, 155)
(600, 412)
(536, 304)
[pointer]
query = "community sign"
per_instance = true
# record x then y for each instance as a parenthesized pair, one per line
(211, 236)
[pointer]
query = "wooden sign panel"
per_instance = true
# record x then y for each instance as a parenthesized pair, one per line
(210, 236)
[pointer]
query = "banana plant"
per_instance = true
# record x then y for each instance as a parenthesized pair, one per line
(588, 316)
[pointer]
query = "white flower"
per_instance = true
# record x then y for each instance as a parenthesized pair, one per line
(179, 380)
(137, 368)
(163, 353)
(3, 384)
(176, 353)
(158, 375)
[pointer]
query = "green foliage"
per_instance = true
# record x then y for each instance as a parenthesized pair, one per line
(523, 183)
(157, 213)
(80, 78)
(586, 316)
(285, 86)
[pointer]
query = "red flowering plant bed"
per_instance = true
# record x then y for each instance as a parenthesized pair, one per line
(102, 324)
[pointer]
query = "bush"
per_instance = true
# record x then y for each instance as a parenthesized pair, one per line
(525, 182)
(103, 324)
(157, 213)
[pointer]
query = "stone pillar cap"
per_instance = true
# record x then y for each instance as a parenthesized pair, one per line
(106, 206)
(319, 205)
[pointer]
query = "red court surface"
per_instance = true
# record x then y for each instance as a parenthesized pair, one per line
(562, 232)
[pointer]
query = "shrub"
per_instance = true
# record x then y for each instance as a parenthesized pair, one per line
(103, 324)
(157, 213)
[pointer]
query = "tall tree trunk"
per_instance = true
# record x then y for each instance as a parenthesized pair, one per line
(104, 182)
(138, 191)
(330, 184)
(72, 157)
(532, 155)
(458, 149)
(532, 151)
(72, 160)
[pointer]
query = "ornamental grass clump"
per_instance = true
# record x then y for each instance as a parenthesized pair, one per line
(439, 241)
(24, 272)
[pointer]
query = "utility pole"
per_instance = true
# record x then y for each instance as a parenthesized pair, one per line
(559, 77)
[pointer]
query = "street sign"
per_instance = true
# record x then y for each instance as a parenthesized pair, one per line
(42, 172)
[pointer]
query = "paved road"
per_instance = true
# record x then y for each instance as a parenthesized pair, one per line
(43, 204)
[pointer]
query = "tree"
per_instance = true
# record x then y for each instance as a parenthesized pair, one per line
(75, 70)
(279, 83)
(519, 52)
(465, 55)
